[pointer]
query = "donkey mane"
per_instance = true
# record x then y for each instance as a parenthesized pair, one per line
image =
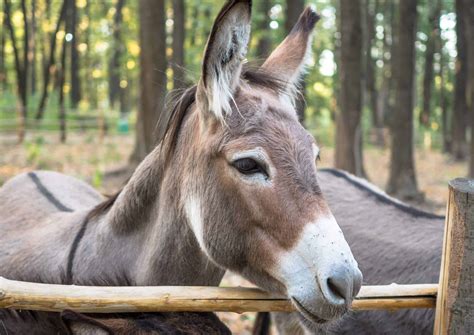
(170, 121)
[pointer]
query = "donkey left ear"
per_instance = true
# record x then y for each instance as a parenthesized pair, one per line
(226, 49)
(287, 62)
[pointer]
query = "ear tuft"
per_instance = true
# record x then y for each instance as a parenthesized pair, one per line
(307, 20)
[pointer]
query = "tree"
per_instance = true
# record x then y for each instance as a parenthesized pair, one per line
(32, 47)
(179, 13)
(348, 129)
(117, 53)
(402, 180)
(371, 9)
(429, 62)
(469, 30)
(458, 131)
(3, 68)
(49, 65)
(75, 92)
(153, 66)
(21, 65)
(294, 8)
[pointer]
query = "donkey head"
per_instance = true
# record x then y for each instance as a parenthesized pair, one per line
(251, 195)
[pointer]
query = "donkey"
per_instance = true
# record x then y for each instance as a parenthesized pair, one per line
(393, 242)
(231, 185)
(72, 323)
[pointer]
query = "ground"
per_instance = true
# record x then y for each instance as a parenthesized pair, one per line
(88, 157)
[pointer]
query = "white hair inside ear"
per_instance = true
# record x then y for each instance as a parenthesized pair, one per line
(225, 53)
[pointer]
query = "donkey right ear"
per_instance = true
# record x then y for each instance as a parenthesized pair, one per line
(287, 62)
(226, 49)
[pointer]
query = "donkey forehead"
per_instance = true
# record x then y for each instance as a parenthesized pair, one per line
(260, 116)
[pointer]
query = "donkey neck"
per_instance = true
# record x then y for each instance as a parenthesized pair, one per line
(146, 236)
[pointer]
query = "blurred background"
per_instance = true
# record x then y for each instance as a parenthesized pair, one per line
(389, 94)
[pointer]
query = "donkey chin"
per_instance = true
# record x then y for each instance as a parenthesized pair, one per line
(320, 274)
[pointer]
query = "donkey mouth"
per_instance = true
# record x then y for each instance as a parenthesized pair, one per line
(307, 314)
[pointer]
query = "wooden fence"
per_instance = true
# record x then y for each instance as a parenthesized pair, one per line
(453, 297)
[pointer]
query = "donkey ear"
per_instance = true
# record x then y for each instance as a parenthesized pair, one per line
(226, 49)
(287, 62)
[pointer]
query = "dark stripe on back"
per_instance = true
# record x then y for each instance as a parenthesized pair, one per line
(47, 194)
(384, 199)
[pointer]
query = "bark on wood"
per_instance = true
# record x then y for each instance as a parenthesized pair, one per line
(46, 297)
(455, 308)
(348, 126)
(402, 181)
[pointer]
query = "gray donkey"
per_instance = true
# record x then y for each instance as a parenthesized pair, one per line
(231, 185)
(393, 242)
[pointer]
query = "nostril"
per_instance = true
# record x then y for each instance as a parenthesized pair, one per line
(338, 287)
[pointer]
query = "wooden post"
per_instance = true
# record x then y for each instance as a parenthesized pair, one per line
(455, 301)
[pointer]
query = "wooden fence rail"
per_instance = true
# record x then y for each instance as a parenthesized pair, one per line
(92, 299)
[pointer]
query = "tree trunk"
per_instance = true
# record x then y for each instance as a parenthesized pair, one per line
(47, 71)
(458, 131)
(114, 64)
(179, 30)
(294, 8)
(20, 74)
(264, 46)
(348, 128)
(152, 74)
(89, 87)
(3, 69)
(469, 30)
(402, 181)
(61, 82)
(370, 85)
(75, 92)
(443, 100)
(32, 52)
(429, 62)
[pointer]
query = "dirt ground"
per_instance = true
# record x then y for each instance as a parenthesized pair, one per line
(86, 157)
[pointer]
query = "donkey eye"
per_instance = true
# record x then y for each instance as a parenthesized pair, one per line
(248, 166)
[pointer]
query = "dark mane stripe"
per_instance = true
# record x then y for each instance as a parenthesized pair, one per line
(418, 213)
(47, 194)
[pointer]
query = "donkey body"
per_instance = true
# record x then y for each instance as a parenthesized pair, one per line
(231, 185)
(71, 323)
(394, 243)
